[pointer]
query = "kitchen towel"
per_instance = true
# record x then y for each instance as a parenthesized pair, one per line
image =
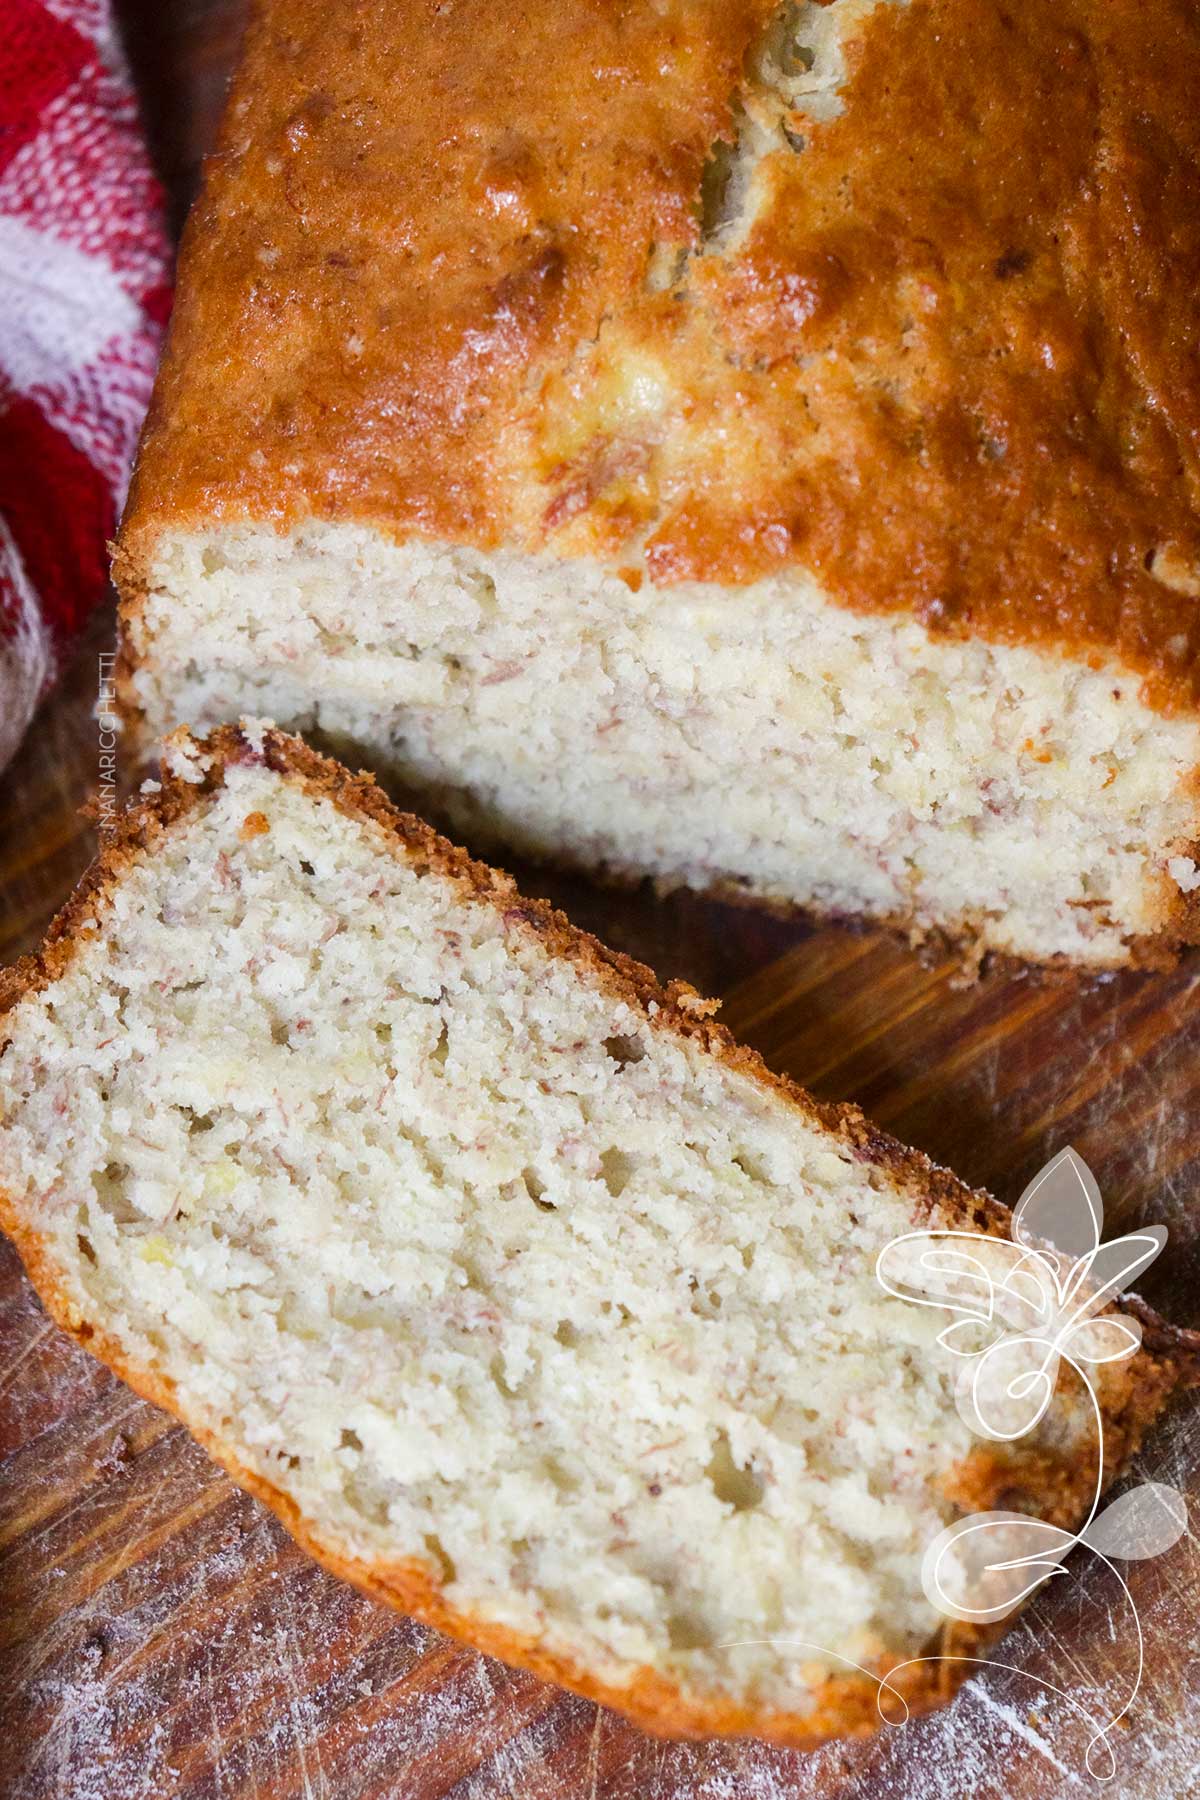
(84, 294)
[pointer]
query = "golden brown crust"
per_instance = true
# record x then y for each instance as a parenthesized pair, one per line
(1057, 1486)
(952, 365)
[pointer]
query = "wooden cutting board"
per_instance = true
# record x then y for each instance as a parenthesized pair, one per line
(160, 1636)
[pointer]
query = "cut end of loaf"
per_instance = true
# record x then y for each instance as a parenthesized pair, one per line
(765, 744)
(527, 1299)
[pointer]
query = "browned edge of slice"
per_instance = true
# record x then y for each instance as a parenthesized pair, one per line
(1057, 1488)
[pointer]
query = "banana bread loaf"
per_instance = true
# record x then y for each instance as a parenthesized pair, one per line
(749, 445)
(527, 1299)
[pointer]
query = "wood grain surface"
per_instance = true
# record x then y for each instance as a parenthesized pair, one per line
(160, 1636)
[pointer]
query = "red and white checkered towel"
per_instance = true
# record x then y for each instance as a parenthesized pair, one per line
(83, 296)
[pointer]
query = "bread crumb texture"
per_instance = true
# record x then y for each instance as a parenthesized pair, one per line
(479, 1254)
(781, 748)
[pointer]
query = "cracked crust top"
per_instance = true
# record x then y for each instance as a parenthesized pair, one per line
(475, 272)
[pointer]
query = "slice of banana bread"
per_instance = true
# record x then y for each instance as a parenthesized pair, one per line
(750, 445)
(528, 1299)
